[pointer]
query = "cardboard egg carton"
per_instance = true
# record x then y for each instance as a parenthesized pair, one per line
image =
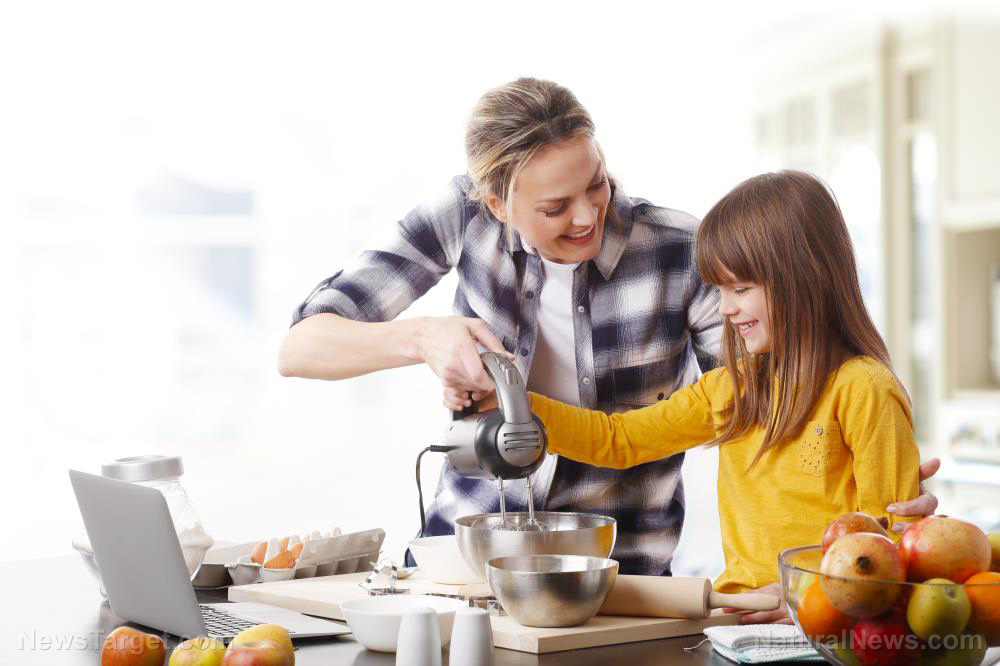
(319, 555)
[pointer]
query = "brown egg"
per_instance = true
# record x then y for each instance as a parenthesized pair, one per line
(283, 544)
(296, 550)
(282, 560)
(257, 555)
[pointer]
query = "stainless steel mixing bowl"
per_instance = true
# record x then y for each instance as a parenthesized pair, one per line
(551, 590)
(566, 534)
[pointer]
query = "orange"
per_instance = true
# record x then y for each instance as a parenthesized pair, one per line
(819, 619)
(985, 601)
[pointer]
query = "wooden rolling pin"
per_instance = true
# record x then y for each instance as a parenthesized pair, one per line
(670, 596)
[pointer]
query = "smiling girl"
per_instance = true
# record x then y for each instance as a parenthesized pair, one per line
(810, 420)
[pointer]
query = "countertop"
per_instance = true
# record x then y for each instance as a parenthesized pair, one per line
(53, 613)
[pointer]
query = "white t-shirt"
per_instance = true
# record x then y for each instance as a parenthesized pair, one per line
(553, 367)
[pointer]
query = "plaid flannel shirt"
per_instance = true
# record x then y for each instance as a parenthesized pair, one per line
(643, 320)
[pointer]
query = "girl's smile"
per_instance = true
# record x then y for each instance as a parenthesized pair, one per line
(744, 306)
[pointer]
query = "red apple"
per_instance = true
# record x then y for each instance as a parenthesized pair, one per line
(267, 632)
(126, 646)
(849, 523)
(202, 651)
(885, 640)
(858, 574)
(256, 653)
(943, 547)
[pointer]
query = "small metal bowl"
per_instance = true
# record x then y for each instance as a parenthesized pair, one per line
(551, 590)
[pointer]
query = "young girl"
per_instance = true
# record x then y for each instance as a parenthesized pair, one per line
(810, 420)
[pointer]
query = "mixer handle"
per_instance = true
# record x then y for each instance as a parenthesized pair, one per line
(512, 394)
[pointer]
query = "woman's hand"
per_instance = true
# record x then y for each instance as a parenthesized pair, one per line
(925, 505)
(778, 616)
(448, 346)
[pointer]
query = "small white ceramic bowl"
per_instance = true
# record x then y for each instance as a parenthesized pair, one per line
(375, 620)
(441, 561)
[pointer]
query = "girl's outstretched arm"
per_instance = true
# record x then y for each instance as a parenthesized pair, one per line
(670, 426)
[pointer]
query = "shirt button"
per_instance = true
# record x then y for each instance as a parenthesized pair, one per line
(586, 380)
(524, 351)
(529, 294)
(819, 430)
(580, 308)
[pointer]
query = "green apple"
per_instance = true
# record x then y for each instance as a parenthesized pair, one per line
(806, 579)
(938, 608)
(994, 538)
(846, 655)
(970, 650)
(201, 651)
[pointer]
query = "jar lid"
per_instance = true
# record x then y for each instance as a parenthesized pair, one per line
(143, 468)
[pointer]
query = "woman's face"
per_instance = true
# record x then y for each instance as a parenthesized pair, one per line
(560, 199)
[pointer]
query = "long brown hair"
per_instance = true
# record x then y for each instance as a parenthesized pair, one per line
(785, 232)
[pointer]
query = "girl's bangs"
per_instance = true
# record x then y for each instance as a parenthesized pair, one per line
(721, 253)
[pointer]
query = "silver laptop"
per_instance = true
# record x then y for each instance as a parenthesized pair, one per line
(144, 573)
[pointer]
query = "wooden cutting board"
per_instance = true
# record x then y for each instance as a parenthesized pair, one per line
(323, 596)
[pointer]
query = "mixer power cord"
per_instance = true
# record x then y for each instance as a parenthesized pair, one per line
(420, 493)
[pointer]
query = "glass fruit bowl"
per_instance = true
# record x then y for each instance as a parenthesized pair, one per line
(853, 621)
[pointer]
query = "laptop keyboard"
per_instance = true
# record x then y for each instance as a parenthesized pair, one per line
(221, 624)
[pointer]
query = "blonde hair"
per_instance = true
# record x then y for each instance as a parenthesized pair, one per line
(786, 232)
(509, 125)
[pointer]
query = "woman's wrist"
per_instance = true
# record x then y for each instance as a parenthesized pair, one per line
(413, 334)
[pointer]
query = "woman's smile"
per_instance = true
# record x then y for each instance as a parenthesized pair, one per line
(580, 237)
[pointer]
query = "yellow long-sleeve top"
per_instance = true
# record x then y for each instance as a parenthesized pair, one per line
(856, 453)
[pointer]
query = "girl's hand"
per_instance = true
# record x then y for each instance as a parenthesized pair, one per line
(448, 346)
(778, 616)
(456, 400)
(925, 505)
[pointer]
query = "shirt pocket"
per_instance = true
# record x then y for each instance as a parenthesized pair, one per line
(641, 385)
(821, 448)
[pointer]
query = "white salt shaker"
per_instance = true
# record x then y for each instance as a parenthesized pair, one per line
(471, 638)
(419, 641)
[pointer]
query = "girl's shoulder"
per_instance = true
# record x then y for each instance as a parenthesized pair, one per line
(866, 374)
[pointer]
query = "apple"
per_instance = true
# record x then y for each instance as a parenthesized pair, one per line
(806, 579)
(938, 608)
(885, 640)
(849, 523)
(126, 646)
(858, 573)
(256, 653)
(994, 539)
(943, 547)
(201, 651)
(969, 651)
(267, 632)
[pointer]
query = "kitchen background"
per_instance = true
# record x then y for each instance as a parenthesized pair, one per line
(177, 178)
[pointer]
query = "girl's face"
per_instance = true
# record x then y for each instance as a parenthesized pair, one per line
(744, 305)
(560, 199)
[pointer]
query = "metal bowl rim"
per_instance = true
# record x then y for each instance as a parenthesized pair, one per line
(607, 521)
(607, 563)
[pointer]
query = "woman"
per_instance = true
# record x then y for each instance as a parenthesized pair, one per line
(594, 292)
